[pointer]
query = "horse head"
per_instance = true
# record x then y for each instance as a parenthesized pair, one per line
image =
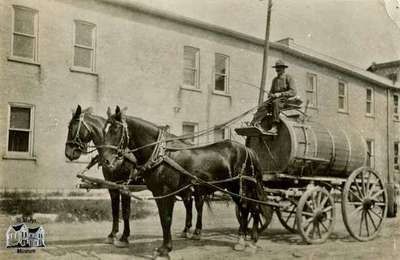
(116, 139)
(79, 134)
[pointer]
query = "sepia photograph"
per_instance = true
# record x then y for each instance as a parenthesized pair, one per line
(199, 129)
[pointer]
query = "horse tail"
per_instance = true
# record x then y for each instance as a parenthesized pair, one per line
(208, 200)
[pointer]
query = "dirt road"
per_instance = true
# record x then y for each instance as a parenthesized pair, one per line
(84, 240)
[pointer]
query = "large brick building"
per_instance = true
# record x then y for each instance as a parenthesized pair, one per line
(165, 68)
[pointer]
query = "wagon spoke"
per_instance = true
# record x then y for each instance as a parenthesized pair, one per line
(358, 197)
(323, 225)
(362, 182)
(319, 197)
(376, 214)
(361, 222)
(372, 187)
(358, 188)
(355, 203)
(356, 211)
(309, 214)
(368, 180)
(327, 209)
(366, 222)
(372, 220)
(377, 194)
(319, 231)
(324, 201)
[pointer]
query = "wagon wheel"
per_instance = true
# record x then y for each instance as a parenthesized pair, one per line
(315, 215)
(364, 204)
(265, 218)
(287, 215)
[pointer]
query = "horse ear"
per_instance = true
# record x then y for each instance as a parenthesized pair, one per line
(118, 113)
(77, 112)
(109, 112)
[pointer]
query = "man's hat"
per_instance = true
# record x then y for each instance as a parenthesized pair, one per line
(279, 63)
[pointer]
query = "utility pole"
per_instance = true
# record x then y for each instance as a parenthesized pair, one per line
(265, 58)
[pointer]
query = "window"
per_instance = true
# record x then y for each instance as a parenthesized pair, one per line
(189, 129)
(342, 96)
(371, 153)
(369, 101)
(221, 73)
(20, 130)
(311, 90)
(222, 134)
(24, 38)
(191, 58)
(396, 157)
(84, 45)
(396, 115)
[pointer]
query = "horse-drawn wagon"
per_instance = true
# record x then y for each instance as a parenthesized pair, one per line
(310, 166)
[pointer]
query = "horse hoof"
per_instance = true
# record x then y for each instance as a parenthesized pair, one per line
(251, 248)
(109, 240)
(184, 234)
(121, 244)
(196, 236)
(239, 247)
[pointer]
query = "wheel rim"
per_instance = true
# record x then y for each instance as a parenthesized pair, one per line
(287, 215)
(364, 204)
(315, 215)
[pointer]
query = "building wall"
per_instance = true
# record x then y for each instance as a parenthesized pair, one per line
(139, 64)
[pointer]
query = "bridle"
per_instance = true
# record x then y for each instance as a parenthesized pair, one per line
(82, 146)
(123, 142)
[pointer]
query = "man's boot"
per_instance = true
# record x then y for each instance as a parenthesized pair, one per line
(273, 130)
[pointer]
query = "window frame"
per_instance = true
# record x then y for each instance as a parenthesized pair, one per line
(396, 167)
(195, 129)
(371, 153)
(226, 74)
(30, 153)
(196, 69)
(345, 96)
(372, 101)
(314, 91)
(74, 67)
(396, 115)
(35, 36)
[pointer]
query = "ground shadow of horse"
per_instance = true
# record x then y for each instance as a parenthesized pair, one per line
(95, 247)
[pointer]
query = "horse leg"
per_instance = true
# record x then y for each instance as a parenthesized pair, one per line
(114, 194)
(254, 231)
(126, 211)
(199, 202)
(165, 209)
(244, 212)
(188, 202)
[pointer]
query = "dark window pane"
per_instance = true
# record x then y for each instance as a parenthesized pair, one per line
(369, 110)
(20, 118)
(83, 57)
(341, 102)
(188, 130)
(83, 34)
(23, 46)
(220, 64)
(341, 89)
(220, 82)
(369, 94)
(18, 141)
(24, 21)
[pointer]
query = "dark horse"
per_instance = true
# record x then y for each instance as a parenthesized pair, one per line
(177, 168)
(83, 128)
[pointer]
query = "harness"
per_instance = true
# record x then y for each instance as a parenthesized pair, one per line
(82, 146)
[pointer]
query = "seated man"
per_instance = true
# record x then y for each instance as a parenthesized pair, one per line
(282, 88)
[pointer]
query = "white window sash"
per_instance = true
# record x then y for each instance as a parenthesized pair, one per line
(343, 96)
(29, 153)
(33, 36)
(91, 48)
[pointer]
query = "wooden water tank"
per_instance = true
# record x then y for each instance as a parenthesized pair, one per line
(310, 148)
